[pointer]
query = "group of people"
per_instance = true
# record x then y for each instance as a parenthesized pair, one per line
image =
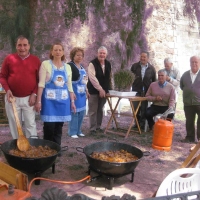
(58, 90)
(54, 88)
(163, 93)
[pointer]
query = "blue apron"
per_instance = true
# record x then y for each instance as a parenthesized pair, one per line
(79, 88)
(55, 97)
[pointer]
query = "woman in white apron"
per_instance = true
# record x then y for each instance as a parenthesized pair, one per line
(79, 81)
(55, 98)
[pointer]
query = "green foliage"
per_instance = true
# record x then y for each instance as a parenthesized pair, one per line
(123, 64)
(191, 9)
(15, 20)
(130, 38)
(123, 35)
(75, 9)
(138, 10)
(117, 49)
(78, 9)
(123, 79)
(98, 5)
(6, 24)
(6, 18)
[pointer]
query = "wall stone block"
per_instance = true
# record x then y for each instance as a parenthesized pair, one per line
(167, 34)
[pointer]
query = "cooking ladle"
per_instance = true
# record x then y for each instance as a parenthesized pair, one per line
(22, 142)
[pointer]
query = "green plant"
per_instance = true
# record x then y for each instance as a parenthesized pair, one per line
(75, 9)
(133, 40)
(15, 20)
(123, 79)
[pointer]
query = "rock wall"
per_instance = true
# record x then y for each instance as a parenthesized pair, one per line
(167, 32)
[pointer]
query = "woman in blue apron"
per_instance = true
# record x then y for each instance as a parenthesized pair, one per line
(55, 98)
(79, 81)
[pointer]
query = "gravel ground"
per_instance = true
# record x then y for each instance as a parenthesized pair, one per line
(73, 165)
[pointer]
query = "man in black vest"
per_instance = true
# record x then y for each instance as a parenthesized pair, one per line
(189, 83)
(99, 82)
(145, 74)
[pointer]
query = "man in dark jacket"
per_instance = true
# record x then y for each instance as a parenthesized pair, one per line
(99, 82)
(145, 74)
(189, 83)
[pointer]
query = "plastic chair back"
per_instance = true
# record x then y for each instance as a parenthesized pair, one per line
(175, 184)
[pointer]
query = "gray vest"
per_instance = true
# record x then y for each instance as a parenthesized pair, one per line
(191, 91)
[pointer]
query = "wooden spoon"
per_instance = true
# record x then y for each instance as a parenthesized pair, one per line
(22, 142)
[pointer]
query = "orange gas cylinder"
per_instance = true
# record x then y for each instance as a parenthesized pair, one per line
(13, 194)
(163, 135)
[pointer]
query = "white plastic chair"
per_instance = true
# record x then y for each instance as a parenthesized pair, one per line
(125, 102)
(175, 184)
(198, 165)
(146, 122)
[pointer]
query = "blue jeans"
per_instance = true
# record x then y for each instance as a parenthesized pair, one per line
(74, 127)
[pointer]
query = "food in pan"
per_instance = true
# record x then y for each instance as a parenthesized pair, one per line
(114, 156)
(34, 152)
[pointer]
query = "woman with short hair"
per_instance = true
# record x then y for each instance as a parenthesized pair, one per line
(79, 81)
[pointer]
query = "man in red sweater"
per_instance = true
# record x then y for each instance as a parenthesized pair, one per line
(19, 77)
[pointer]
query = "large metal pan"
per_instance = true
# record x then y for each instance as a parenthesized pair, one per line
(30, 165)
(110, 168)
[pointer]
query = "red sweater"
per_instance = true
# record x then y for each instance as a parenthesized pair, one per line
(20, 76)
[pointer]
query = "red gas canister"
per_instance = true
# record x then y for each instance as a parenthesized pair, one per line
(163, 135)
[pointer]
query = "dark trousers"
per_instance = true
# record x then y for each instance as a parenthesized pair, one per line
(53, 131)
(190, 114)
(141, 112)
(95, 112)
(153, 111)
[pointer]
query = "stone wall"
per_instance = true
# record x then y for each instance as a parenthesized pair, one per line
(167, 32)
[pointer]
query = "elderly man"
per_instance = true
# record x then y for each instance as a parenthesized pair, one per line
(190, 83)
(162, 94)
(145, 74)
(173, 75)
(19, 78)
(99, 74)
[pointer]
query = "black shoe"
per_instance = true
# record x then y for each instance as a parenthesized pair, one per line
(100, 130)
(142, 128)
(187, 140)
(93, 132)
(60, 154)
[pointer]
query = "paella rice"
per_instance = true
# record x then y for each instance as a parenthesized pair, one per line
(34, 152)
(114, 156)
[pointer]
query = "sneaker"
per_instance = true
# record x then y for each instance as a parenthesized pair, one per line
(82, 135)
(74, 136)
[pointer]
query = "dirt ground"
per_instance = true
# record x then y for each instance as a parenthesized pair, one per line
(73, 165)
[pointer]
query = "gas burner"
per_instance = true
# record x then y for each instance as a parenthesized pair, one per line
(110, 179)
(39, 173)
